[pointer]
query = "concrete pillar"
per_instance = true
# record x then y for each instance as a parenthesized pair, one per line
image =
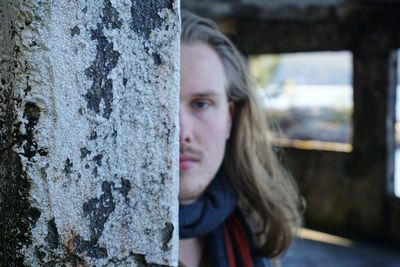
(372, 159)
(89, 117)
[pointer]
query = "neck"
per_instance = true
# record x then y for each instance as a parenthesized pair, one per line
(190, 251)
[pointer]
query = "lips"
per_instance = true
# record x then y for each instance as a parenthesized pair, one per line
(187, 162)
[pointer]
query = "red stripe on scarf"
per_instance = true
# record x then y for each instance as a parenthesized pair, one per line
(229, 248)
(241, 240)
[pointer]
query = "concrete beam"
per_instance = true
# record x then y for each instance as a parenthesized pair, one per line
(89, 99)
(280, 27)
(271, 9)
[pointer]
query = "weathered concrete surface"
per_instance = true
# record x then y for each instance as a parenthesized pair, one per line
(89, 114)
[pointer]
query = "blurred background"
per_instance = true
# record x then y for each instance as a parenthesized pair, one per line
(326, 73)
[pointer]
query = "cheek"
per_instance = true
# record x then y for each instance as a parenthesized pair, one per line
(213, 131)
(216, 144)
(221, 125)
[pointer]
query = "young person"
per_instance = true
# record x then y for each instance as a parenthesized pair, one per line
(238, 206)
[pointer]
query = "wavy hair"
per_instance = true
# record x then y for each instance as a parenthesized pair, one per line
(268, 196)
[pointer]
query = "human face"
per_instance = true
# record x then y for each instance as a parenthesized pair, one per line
(205, 119)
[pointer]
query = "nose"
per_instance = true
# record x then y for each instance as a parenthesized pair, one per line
(185, 127)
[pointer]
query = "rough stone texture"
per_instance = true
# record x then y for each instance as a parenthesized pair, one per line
(89, 116)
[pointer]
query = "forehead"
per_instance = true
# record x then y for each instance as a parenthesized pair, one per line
(201, 70)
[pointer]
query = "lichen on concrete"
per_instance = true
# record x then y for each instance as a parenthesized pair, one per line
(19, 119)
(145, 17)
(106, 59)
(89, 112)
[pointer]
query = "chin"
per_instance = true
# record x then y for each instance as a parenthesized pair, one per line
(192, 187)
(187, 200)
(187, 196)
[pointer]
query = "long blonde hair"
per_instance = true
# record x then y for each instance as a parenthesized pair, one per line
(268, 195)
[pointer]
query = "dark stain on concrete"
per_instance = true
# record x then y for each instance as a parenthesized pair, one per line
(75, 257)
(85, 152)
(52, 238)
(145, 16)
(145, 164)
(157, 59)
(101, 89)
(40, 254)
(106, 59)
(68, 167)
(124, 189)
(110, 16)
(75, 31)
(93, 135)
(140, 260)
(27, 89)
(166, 235)
(32, 114)
(98, 159)
(28, 21)
(114, 133)
(95, 172)
(43, 152)
(97, 210)
(33, 44)
(163, 177)
(18, 216)
(43, 173)
(90, 248)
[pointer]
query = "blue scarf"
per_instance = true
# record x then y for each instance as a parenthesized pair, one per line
(210, 211)
(215, 217)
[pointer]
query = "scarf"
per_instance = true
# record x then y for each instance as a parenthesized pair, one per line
(215, 217)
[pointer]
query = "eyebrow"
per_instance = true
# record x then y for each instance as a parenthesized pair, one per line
(208, 93)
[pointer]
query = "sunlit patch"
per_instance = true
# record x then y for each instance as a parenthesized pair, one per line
(324, 238)
(313, 145)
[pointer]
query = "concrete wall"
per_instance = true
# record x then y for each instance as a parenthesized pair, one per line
(89, 116)
(341, 200)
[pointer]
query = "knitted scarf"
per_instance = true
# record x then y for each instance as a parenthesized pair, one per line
(215, 217)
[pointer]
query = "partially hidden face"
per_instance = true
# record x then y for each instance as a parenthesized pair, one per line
(205, 119)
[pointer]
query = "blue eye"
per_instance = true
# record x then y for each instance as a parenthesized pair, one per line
(201, 104)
